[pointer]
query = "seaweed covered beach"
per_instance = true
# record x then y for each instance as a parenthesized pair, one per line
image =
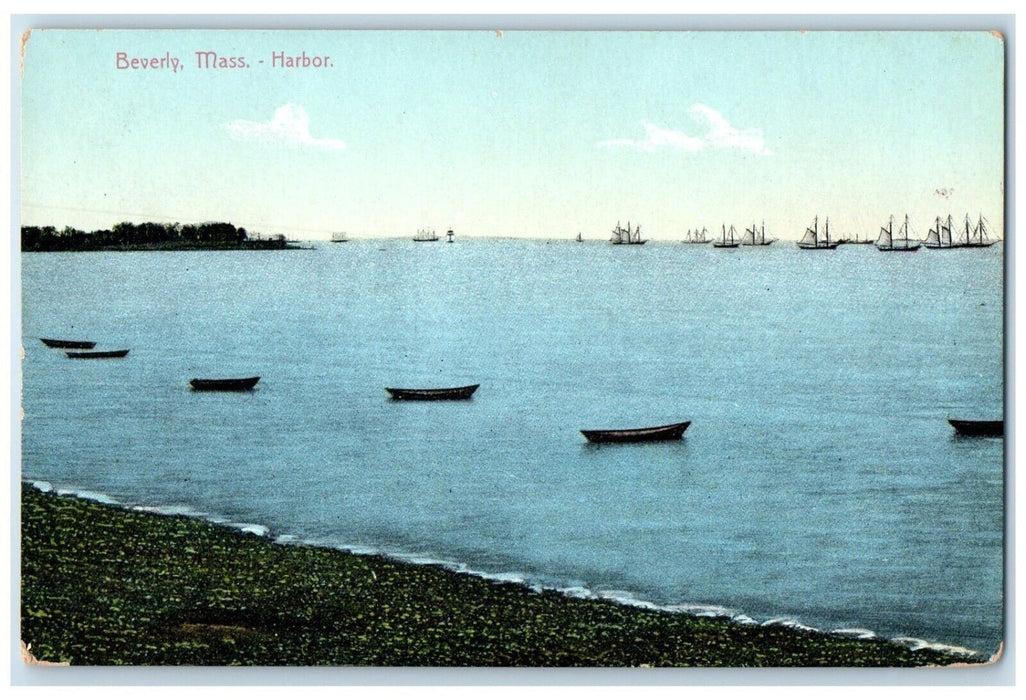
(103, 585)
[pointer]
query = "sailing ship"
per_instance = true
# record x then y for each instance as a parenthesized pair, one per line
(756, 237)
(976, 236)
(726, 242)
(425, 235)
(625, 236)
(888, 243)
(696, 236)
(939, 237)
(339, 237)
(579, 238)
(812, 241)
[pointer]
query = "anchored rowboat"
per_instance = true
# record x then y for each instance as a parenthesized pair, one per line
(99, 355)
(243, 384)
(978, 428)
(454, 393)
(68, 344)
(662, 432)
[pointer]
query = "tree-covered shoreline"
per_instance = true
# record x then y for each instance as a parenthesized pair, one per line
(147, 236)
(102, 585)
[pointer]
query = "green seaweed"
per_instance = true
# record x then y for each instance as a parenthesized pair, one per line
(102, 585)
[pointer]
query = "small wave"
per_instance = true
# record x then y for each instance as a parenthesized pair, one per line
(855, 632)
(90, 496)
(702, 610)
(916, 644)
(505, 577)
(693, 609)
(790, 624)
(743, 619)
(575, 592)
(44, 486)
(186, 511)
(626, 598)
(251, 528)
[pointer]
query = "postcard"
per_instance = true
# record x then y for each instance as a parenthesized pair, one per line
(512, 348)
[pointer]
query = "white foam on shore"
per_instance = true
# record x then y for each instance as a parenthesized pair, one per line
(916, 644)
(580, 591)
(183, 510)
(743, 619)
(504, 577)
(575, 592)
(711, 611)
(856, 632)
(90, 496)
(789, 623)
(252, 528)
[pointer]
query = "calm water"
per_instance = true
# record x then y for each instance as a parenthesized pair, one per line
(819, 481)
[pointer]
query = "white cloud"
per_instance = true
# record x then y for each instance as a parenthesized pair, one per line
(718, 134)
(290, 126)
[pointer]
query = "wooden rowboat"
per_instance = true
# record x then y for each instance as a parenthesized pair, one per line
(96, 355)
(455, 393)
(68, 344)
(978, 428)
(241, 384)
(662, 432)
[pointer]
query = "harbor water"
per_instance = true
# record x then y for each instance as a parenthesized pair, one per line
(819, 483)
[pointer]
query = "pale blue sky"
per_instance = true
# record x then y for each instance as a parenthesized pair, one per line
(539, 134)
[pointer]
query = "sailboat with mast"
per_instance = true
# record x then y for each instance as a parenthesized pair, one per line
(812, 240)
(698, 237)
(902, 244)
(939, 237)
(425, 235)
(755, 236)
(625, 236)
(976, 236)
(727, 238)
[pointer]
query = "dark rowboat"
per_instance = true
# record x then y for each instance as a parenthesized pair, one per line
(242, 384)
(455, 393)
(662, 432)
(978, 428)
(68, 344)
(98, 355)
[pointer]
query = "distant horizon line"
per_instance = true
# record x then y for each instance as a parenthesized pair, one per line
(327, 236)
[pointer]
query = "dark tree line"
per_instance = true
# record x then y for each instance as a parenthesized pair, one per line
(146, 235)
